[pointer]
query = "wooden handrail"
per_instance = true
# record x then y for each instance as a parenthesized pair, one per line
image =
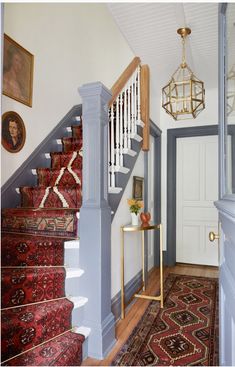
(144, 97)
(123, 79)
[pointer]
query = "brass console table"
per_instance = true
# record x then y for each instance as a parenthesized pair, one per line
(130, 228)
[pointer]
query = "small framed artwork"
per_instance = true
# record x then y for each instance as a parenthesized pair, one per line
(13, 132)
(138, 188)
(17, 72)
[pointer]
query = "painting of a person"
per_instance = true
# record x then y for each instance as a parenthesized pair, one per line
(11, 75)
(17, 72)
(13, 132)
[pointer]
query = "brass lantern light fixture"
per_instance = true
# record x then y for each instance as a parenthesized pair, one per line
(184, 96)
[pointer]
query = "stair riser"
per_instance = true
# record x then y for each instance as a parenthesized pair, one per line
(20, 250)
(59, 160)
(48, 177)
(71, 144)
(71, 258)
(35, 197)
(77, 131)
(72, 285)
(23, 286)
(25, 327)
(47, 222)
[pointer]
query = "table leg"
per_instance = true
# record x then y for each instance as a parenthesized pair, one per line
(143, 262)
(122, 277)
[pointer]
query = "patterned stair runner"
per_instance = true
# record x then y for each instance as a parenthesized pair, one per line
(36, 315)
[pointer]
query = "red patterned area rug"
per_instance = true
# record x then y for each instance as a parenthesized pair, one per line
(183, 333)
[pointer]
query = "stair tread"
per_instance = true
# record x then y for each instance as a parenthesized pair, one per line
(74, 272)
(30, 325)
(78, 301)
(64, 350)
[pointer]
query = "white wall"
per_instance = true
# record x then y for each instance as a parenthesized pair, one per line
(132, 240)
(209, 116)
(73, 44)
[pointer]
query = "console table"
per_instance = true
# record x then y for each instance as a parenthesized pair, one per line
(142, 229)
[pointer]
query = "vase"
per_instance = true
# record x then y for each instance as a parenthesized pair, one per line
(135, 219)
(145, 218)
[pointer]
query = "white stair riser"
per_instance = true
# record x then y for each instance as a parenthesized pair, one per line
(71, 257)
(72, 286)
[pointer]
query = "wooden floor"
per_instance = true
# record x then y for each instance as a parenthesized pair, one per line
(136, 309)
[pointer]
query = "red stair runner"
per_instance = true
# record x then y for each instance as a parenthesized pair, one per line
(48, 177)
(27, 285)
(64, 350)
(55, 197)
(36, 315)
(25, 250)
(56, 222)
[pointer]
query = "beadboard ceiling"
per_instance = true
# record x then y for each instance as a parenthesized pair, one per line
(150, 30)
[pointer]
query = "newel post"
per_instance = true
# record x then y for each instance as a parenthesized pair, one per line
(95, 221)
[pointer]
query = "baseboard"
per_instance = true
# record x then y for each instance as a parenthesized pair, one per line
(130, 288)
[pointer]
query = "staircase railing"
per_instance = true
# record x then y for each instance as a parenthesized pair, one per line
(128, 109)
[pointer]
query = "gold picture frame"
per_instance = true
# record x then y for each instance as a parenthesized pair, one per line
(17, 72)
(13, 132)
(138, 188)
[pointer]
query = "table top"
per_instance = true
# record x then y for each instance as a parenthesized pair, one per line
(130, 228)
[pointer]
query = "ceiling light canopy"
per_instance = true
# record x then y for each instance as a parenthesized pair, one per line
(184, 96)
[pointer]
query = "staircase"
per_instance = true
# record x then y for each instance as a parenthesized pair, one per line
(39, 301)
(45, 321)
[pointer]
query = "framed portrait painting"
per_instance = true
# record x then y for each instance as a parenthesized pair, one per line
(138, 188)
(13, 132)
(17, 72)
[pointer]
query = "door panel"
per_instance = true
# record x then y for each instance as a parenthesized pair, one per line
(197, 188)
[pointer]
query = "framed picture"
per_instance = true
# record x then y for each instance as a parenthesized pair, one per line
(17, 72)
(13, 132)
(138, 188)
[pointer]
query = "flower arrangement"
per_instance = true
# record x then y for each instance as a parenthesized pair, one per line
(135, 205)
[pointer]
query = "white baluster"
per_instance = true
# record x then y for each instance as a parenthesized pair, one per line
(125, 119)
(132, 105)
(121, 129)
(112, 184)
(135, 98)
(117, 143)
(138, 95)
(129, 117)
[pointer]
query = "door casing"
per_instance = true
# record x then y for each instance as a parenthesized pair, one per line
(172, 135)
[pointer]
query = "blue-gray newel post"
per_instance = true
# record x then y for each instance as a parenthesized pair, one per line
(95, 221)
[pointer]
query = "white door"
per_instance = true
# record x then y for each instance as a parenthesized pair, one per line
(197, 189)
(151, 202)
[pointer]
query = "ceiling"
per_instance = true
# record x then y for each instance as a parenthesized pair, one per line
(150, 30)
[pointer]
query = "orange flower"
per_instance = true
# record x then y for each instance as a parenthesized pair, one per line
(135, 205)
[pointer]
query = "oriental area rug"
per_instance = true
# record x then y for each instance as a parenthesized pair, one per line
(183, 333)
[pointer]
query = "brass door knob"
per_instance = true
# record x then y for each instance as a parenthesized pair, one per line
(213, 236)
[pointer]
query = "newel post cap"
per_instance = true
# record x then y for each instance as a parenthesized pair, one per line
(95, 89)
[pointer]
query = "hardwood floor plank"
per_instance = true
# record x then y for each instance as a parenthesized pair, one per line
(136, 310)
